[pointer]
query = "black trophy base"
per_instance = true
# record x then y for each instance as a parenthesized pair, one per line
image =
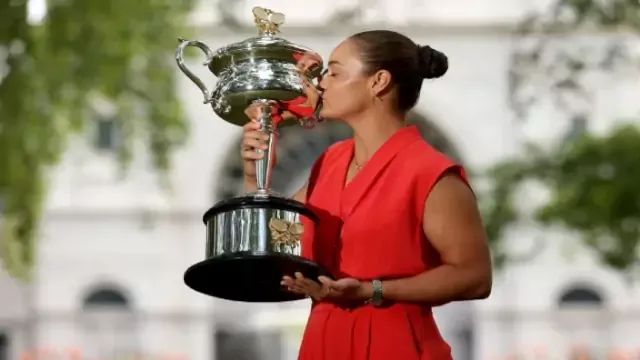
(250, 276)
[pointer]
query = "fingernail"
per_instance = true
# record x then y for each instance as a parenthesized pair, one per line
(283, 283)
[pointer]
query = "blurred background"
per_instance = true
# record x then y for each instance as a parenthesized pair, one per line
(108, 159)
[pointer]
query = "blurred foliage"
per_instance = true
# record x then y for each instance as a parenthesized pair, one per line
(118, 50)
(498, 207)
(561, 51)
(593, 180)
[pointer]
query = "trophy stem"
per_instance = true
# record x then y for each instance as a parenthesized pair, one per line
(264, 166)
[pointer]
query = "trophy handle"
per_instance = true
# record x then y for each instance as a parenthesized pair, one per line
(183, 67)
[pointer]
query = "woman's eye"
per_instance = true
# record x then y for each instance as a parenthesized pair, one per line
(326, 72)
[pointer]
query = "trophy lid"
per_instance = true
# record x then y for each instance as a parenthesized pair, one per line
(264, 46)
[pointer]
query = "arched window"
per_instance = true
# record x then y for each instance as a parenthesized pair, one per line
(580, 295)
(298, 149)
(109, 324)
(105, 298)
(583, 319)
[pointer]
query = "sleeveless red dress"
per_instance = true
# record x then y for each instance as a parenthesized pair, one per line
(372, 229)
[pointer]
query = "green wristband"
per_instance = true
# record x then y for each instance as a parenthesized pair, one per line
(376, 298)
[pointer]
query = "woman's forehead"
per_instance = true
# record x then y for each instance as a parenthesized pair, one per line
(344, 52)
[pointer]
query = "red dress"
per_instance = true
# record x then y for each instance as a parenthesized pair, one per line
(372, 229)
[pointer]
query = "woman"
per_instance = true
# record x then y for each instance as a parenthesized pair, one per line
(399, 224)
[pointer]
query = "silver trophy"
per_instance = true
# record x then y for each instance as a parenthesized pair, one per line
(253, 240)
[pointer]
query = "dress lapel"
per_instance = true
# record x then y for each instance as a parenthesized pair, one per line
(355, 191)
(326, 237)
(337, 169)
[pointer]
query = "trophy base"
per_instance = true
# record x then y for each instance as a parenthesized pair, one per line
(250, 276)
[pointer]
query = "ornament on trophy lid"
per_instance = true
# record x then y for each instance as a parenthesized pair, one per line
(267, 21)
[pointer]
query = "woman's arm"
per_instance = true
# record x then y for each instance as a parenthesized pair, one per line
(452, 224)
(301, 195)
(250, 184)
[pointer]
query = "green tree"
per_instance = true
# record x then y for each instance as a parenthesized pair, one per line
(593, 179)
(120, 50)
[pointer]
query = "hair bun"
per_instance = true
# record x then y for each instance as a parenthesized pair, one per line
(433, 63)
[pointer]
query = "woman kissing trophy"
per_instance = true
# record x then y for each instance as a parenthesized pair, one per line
(254, 240)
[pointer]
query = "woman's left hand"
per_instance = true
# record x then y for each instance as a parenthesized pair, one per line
(326, 289)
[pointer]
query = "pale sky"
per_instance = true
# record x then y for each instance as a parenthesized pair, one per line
(37, 10)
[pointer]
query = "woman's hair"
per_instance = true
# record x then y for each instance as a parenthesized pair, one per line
(408, 63)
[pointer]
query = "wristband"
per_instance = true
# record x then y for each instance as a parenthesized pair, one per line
(376, 297)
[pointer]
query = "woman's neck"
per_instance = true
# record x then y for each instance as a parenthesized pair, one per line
(371, 133)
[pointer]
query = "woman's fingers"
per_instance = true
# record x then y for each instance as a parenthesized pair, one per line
(251, 126)
(254, 143)
(254, 111)
(308, 61)
(251, 155)
(311, 93)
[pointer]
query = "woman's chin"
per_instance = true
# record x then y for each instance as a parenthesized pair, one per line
(328, 114)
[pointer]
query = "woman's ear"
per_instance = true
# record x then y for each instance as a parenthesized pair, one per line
(380, 82)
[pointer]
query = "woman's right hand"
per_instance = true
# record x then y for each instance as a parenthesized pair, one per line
(308, 62)
(252, 139)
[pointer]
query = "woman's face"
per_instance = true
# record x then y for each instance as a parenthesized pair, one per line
(346, 88)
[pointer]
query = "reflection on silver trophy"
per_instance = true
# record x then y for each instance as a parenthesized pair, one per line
(253, 240)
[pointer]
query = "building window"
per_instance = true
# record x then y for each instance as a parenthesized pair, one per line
(248, 345)
(583, 319)
(580, 296)
(577, 128)
(5, 347)
(465, 340)
(106, 297)
(109, 325)
(106, 134)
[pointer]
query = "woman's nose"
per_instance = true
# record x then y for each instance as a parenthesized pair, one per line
(322, 84)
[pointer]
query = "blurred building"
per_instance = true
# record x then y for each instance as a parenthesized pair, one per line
(113, 249)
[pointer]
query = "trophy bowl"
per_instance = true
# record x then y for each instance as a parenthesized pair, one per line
(254, 240)
(257, 69)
